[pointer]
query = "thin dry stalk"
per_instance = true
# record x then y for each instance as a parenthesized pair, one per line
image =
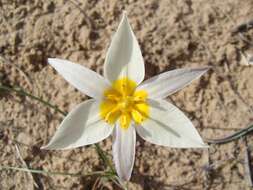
(25, 165)
(87, 19)
(247, 164)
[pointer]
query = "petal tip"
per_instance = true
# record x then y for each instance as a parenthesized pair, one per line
(206, 146)
(50, 146)
(202, 145)
(44, 147)
(203, 70)
(124, 178)
(124, 19)
(51, 61)
(206, 68)
(124, 13)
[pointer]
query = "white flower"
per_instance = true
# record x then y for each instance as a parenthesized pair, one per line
(122, 104)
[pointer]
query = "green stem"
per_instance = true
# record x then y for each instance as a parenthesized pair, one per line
(24, 93)
(99, 173)
(100, 152)
(104, 158)
(233, 137)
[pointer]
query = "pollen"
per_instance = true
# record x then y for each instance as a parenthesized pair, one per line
(123, 103)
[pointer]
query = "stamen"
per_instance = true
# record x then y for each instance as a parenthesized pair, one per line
(110, 117)
(137, 116)
(140, 96)
(125, 120)
(121, 102)
(142, 108)
(112, 97)
(139, 99)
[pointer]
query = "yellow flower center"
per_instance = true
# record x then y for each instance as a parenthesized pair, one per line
(123, 103)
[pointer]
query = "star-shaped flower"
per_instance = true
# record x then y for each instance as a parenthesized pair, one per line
(122, 104)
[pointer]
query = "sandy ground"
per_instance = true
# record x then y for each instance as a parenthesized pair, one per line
(172, 34)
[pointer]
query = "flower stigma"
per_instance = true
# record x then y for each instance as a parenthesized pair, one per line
(123, 103)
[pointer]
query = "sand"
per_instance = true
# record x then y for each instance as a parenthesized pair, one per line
(172, 34)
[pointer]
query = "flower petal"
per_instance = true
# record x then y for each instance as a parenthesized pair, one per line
(85, 80)
(82, 126)
(162, 85)
(168, 126)
(124, 58)
(124, 150)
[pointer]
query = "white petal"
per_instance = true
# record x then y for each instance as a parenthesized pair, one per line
(124, 151)
(162, 85)
(85, 80)
(168, 126)
(124, 58)
(82, 126)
